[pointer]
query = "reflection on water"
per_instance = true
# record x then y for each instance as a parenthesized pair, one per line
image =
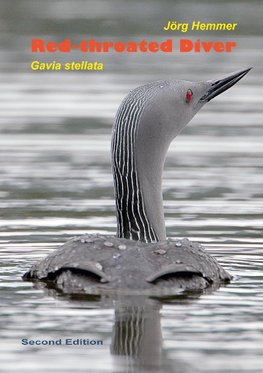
(55, 183)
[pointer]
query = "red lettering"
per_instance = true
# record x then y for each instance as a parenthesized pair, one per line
(143, 46)
(83, 46)
(119, 46)
(186, 45)
(64, 46)
(230, 45)
(94, 46)
(167, 46)
(51, 46)
(38, 45)
(107, 45)
(207, 46)
(153, 46)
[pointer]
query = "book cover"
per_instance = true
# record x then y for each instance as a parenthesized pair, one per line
(84, 155)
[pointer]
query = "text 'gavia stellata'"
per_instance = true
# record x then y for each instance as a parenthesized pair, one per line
(140, 259)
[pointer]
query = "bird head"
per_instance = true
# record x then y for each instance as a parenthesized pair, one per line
(175, 103)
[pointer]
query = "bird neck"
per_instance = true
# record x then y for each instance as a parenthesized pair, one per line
(137, 179)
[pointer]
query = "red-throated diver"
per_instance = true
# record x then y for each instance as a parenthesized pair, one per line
(140, 259)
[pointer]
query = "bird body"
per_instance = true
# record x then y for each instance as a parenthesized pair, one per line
(109, 264)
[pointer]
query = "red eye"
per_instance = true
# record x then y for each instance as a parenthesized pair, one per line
(189, 95)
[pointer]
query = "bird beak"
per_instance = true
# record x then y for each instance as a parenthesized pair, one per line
(219, 86)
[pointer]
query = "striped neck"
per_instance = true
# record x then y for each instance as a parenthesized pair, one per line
(135, 220)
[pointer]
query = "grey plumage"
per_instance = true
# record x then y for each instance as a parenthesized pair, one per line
(162, 268)
(132, 221)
